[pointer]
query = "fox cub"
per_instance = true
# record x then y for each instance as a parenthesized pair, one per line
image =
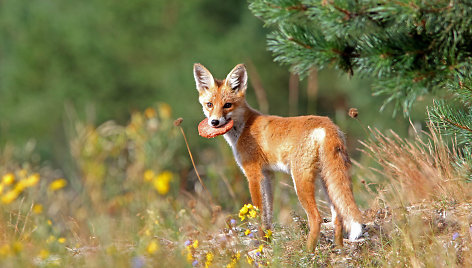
(302, 146)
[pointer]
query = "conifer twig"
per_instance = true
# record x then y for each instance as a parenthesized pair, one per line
(455, 124)
(300, 43)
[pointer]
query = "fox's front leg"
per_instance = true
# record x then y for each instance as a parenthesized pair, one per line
(260, 187)
(267, 200)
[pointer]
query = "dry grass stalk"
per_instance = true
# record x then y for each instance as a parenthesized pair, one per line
(417, 169)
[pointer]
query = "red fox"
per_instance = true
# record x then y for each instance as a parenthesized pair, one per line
(302, 146)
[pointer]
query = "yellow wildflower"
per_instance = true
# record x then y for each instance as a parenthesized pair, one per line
(17, 247)
(43, 254)
(162, 187)
(152, 247)
(248, 209)
(37, 209)
(49, 222)
(148, 175)
(195, 244)
(61, 240)
(252, 213)
(5, 250)
(165, 176)
(165, 110)
(161, 182)
(32, 180)
(8, 179)
(209, 256)
(57, 184)
(247, 232)
(1, 188)
(20, 186)
(249, 260)
(189, 256)
(209, 259)
(234, 260)
(242, 212)
(150, 113)
(10, 196)
(260, 249)
(268, 234)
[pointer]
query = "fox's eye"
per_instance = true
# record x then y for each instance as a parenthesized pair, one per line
(227, 105)
(209, 104)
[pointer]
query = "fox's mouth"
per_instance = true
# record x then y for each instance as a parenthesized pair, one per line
(223, 125)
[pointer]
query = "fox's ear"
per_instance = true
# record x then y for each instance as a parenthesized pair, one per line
(237, 78)
(203, 78)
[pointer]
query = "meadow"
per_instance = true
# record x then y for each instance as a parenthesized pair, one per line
(137, 202)
(95, 171)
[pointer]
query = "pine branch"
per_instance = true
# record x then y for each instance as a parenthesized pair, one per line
(455, 124)
(412, 48)
(453, 121)
(299, 7)
(300, 43)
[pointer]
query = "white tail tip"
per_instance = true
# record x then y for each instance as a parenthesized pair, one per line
(355, 231)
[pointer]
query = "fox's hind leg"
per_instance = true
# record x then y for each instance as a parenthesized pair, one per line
(336, 220)
(304, 182)
(338, 226)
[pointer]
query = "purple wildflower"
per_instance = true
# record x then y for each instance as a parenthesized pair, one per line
(195, 263)
(455, 236)
(232, 222)
(188, 243)
(138, 262)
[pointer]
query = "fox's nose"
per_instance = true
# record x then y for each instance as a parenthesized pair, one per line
(214, 122)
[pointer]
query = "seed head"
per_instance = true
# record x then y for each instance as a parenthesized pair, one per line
(178, 121)
(353, 112)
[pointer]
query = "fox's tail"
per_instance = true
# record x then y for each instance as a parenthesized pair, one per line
(335, 164)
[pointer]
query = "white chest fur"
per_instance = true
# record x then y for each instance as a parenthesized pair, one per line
(232, 138)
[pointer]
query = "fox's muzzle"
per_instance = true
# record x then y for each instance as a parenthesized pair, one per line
(217, 122)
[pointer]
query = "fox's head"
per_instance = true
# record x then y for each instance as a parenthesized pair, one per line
(221, 99)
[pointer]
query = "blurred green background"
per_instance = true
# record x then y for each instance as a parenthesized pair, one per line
(105, 59)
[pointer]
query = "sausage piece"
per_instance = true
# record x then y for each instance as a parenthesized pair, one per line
(208, 131)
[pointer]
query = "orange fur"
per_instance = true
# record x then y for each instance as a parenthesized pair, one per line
(303, 146)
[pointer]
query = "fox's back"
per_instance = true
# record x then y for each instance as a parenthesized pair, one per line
(277, 142)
